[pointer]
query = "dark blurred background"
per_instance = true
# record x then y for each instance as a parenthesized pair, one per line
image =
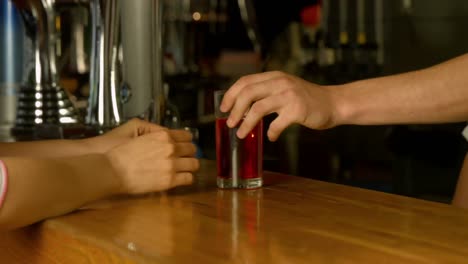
(209, 44)
(415, 160)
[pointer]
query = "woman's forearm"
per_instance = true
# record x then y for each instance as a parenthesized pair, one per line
(42, 188)
(47, 148)
(434, 95)
(68, 148)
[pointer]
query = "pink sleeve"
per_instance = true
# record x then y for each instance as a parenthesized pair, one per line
(3, 182)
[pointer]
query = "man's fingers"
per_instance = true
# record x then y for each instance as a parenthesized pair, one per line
(233, 92)
(246, 98)
(258, 110)
(278, 126)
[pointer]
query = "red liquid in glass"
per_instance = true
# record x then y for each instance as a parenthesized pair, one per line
(250, 148)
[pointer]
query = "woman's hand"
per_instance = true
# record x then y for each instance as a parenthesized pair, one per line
(293, 99)
(156, 161)
(122, 134)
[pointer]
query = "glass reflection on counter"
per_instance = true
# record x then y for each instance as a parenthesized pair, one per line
(238, 225)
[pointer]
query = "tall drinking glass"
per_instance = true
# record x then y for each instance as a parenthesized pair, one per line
(239, 161)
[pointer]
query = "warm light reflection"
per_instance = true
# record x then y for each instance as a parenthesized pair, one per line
(196, 16)
(242, 236)
(67, 120)
(63, 111)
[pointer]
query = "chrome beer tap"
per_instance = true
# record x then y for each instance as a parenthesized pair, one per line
(126, 77)
(104, 110)
(41, 101)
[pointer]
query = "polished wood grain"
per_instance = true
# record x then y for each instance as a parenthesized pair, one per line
(290, 220)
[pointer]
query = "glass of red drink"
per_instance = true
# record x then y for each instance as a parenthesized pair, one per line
(239, 161)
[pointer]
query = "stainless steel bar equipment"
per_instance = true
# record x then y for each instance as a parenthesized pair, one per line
(126, 78)
(41, 100)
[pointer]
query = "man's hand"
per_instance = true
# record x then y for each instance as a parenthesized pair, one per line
(294, 100)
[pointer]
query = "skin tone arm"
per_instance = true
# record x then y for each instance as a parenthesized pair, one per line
(61, 148)
(64, 148)
(157, 159)
(438, 94)
(433, 95)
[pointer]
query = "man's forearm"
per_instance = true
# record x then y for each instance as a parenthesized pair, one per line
(42, 188)
(434, 95)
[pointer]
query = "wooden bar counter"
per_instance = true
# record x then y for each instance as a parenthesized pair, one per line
(290, 220)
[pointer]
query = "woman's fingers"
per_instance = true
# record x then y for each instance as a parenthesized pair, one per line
(179, 135)
(185, 149)
(181, 178)
(186, 165)
(142, 127)
(164, 134)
